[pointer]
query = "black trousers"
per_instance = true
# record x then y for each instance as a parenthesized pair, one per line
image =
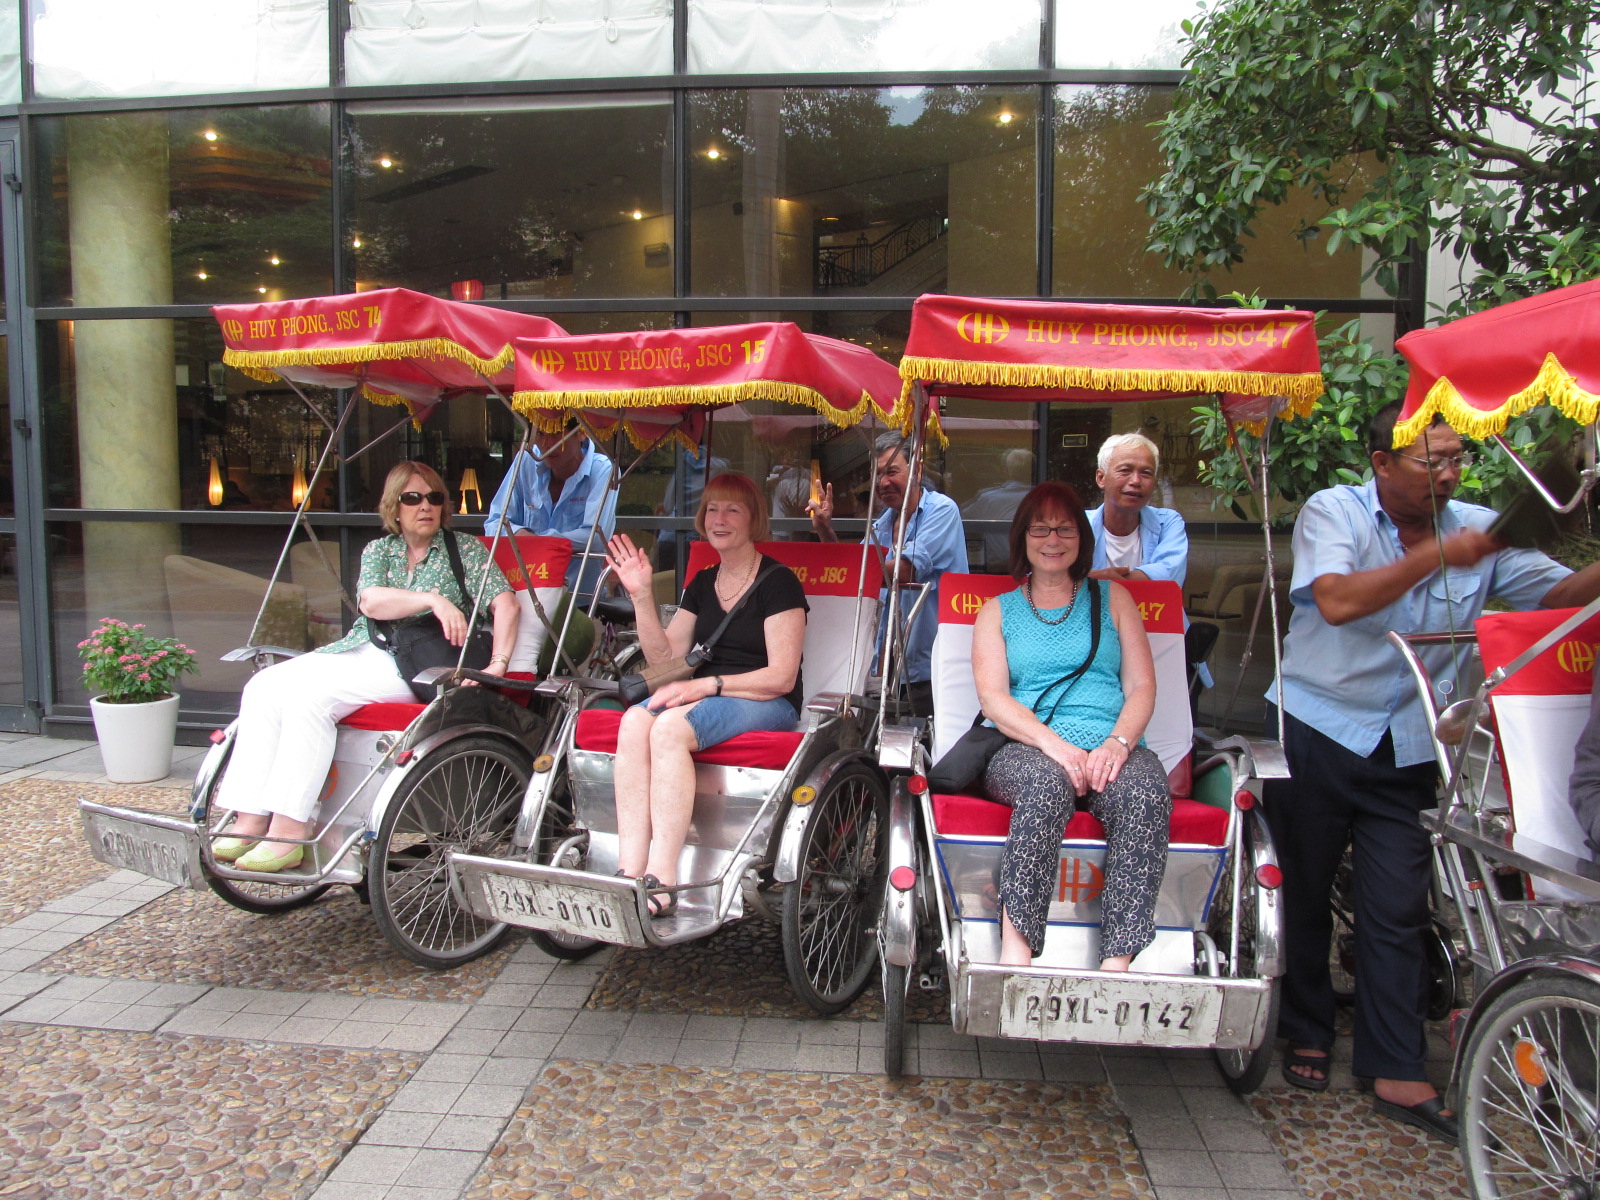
(1336, 798)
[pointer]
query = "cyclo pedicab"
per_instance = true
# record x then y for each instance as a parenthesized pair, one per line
(1510, 857)
(789, 825)
(1209, 980)
(407, 780)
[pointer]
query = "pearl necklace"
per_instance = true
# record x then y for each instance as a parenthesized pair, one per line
(729, 598)
(1027, 594)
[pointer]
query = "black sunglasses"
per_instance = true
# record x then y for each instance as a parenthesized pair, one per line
(412, 499)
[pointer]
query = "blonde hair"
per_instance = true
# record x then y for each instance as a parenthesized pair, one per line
(395, 482)
(731, 485)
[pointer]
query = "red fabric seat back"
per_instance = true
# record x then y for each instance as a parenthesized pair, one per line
(1193, 823)
(384, 718)
(597, 731)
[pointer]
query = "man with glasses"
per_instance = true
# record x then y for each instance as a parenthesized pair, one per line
(1394, 553)
(562, 490)
(935, 543)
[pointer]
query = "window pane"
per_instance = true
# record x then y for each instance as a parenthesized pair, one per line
(777, 36)
(449, 41)
(192, 206)
(1133, 35)
(545, 197)
(85, 49)
(1107, 149)
(202, 584)
(862, 191)
(10, 623)
(172, 427)
(10, 54)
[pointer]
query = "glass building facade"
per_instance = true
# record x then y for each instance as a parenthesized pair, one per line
(611, 164)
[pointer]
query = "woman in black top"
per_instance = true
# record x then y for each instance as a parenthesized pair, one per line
(751, 682)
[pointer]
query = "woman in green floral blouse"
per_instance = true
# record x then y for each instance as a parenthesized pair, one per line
(288, 713)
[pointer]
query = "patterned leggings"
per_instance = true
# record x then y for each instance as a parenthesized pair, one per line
(1135, 808)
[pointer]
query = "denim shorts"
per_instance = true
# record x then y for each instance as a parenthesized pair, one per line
(718, 718)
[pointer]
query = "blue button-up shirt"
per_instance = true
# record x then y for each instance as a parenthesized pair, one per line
(1163, 542)
(587, 507)
(935, 543)
(1347, 681)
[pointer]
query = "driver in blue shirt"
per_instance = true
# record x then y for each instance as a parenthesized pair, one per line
(935, 543)
(1395, 553)
(562, 489)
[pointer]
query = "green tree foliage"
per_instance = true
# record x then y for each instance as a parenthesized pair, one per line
(1475, 110)
(1463, 124)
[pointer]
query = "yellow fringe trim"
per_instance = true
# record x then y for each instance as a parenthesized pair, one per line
(534, 404)
(1301, 390)
(258, 363)
(1554, 385)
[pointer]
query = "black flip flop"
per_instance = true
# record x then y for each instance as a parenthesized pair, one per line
(1295, 1055)
(1429, 1115)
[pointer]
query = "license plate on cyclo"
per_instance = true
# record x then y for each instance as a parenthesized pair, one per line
(1108, 1011)
(554, 906)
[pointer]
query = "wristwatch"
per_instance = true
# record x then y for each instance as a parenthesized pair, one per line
(1117, 737)
(719, 685)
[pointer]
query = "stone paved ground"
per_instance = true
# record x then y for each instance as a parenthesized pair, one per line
(159, 1043)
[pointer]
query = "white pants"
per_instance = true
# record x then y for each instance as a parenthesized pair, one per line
(287, 719)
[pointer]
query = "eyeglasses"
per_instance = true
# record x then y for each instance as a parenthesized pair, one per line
(412, 499)
(1442, 462)
(1067, 533)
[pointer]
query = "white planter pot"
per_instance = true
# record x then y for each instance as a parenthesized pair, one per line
(136, 739)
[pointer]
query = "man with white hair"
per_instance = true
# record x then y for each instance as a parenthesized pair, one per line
(1133, 540)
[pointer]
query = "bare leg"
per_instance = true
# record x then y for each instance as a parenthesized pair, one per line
(1117, 962)
(1014, 951)
(248, 825)
(671, 792)
(631, 780)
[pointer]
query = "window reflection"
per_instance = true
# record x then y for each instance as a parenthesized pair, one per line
(191, 206)
(850, 192)
(528, 198)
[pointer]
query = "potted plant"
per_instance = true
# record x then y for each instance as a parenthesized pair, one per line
(132, 680)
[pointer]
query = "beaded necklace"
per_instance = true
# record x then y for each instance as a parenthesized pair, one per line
(1027, 594)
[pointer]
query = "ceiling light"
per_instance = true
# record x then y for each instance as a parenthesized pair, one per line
(275, 260)
(1005, 117)
(356, 241)
(202, 274)
(386, 162)
(262, 290)
(210, 135)
(713, 153)
(637, 215)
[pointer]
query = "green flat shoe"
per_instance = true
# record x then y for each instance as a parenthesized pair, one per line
(226, 849)
(257, 860)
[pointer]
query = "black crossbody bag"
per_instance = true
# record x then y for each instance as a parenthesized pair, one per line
(420, 643)
(965, 763)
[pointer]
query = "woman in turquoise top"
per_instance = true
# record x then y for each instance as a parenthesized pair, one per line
(1075, 725)
(288, 713)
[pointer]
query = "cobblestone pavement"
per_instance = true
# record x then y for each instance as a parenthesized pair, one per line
(158, 1043)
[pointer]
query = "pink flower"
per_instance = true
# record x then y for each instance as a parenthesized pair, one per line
(144, 677)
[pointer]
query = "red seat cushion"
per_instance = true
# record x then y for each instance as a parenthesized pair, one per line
(385, 718)
(1193, 823)
(597, 730)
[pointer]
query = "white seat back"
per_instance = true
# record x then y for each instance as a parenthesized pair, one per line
(1539, 712)
(843, 594)
(955, 698)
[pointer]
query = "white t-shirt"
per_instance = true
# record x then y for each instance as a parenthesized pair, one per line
(1122, 549)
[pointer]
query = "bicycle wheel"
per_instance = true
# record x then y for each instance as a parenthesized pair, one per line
(1530, 1097)
(464, 796)
(1244, 1069)
(831, 910)
(896, 979)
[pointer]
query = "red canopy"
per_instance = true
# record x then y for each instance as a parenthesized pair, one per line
(398, 346)
(668, 378)
(1482, 370)
(1043, 350)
